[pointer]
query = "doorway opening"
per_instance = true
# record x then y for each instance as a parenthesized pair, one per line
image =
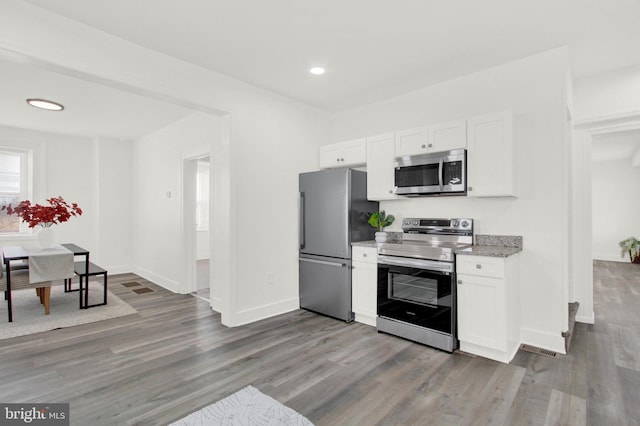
(203, 233)
(604, 133)
(196, 220)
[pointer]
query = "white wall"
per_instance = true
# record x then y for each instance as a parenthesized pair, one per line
(96, 174)
(157, 184)
(535, 90)
(266, 141)
(608, 94)
(616, 203)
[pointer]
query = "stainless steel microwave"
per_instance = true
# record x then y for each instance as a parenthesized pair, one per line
(438, 173)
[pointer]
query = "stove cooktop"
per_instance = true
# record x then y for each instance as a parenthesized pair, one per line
(433, 239)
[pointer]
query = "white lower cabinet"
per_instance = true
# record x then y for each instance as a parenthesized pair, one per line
(488, 306)
(364, 282)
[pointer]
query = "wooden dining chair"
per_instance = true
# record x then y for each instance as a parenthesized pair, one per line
(19, 281)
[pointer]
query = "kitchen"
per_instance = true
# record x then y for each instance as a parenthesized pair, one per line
(531, 100)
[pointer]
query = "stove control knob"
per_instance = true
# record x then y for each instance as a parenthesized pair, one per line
(464, 224)
(455, 223)
(416, 222)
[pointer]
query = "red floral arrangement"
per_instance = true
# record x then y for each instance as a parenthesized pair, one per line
(57, 211)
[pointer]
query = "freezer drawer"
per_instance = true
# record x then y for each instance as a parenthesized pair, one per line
(325, 286)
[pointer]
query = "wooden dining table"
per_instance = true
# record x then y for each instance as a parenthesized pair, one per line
(19, 253)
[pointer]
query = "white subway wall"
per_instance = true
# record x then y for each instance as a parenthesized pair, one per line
(535, 90)
(615, 207)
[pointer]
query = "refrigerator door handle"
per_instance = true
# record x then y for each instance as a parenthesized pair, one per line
(322, 262)
(301, 212)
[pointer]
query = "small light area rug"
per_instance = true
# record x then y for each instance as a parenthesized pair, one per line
(29, 317)
(247, 407)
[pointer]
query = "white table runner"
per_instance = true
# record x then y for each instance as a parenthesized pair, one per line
(50, 264)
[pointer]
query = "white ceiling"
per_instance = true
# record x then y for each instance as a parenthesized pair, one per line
(90, 109)
(372, 49)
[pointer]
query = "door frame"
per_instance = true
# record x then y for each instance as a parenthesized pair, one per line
(581, 204)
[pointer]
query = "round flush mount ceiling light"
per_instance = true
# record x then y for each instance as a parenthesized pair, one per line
(317, 70)
(45, 104)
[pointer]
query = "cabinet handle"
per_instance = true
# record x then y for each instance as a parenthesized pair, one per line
(430, 145)
(459, 281)
(364, 254)
(478, 266)
(423, 146)
(391, 191)
(470, 188)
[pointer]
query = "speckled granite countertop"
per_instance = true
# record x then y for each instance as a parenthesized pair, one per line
(494, 246)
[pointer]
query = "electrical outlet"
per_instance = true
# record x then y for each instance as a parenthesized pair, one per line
(270, 280)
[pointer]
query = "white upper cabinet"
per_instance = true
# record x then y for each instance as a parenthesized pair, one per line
(381, 167)
(344, 154)
(448, 136)
(412, 141)
(490, 155)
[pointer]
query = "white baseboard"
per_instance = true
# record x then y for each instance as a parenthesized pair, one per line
(543, 340)
(610, 257)
(586, 319)
(164, 282)
(117, 269)
(216, 305)
(365, 319)
(258, 313)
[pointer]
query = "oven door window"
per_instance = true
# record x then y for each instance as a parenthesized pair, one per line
(418, 286)
(417, 296)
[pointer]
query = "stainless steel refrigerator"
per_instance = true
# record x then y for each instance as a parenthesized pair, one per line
(333, 213)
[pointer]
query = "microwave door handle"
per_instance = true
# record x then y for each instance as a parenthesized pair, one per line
(440, 173)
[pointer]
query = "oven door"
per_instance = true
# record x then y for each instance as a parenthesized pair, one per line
(419, 292)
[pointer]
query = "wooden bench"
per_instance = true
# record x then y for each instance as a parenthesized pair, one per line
(80, 268)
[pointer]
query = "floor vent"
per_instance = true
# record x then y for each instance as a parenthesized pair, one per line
(539, 351)
(131, 284)
(142, 290)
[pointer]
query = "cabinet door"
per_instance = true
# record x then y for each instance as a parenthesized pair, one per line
(365, 287)
(354, 152)
(490, 156)
(448, 136)
(343, 154)
(380, 167)
(481, 311)
(330, 156)
(412, 141)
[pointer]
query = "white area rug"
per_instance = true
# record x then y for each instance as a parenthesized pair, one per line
(247, 407)
(29, 317)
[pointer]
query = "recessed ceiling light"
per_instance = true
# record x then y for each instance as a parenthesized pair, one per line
(45, 104)
(317, 70)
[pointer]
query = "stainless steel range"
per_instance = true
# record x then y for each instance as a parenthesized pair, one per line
(416, 281)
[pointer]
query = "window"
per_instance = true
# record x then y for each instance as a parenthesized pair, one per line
(15, 165)
(202, 195)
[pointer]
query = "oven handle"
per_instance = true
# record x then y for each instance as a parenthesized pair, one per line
(416, 263)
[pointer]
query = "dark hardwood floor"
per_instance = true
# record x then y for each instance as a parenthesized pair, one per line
(174, 357)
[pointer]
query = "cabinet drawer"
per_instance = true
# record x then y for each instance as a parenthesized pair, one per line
(364, 254)
(480, 266)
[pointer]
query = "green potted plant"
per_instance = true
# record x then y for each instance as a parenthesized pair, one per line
(632, 246)
(380, 220)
